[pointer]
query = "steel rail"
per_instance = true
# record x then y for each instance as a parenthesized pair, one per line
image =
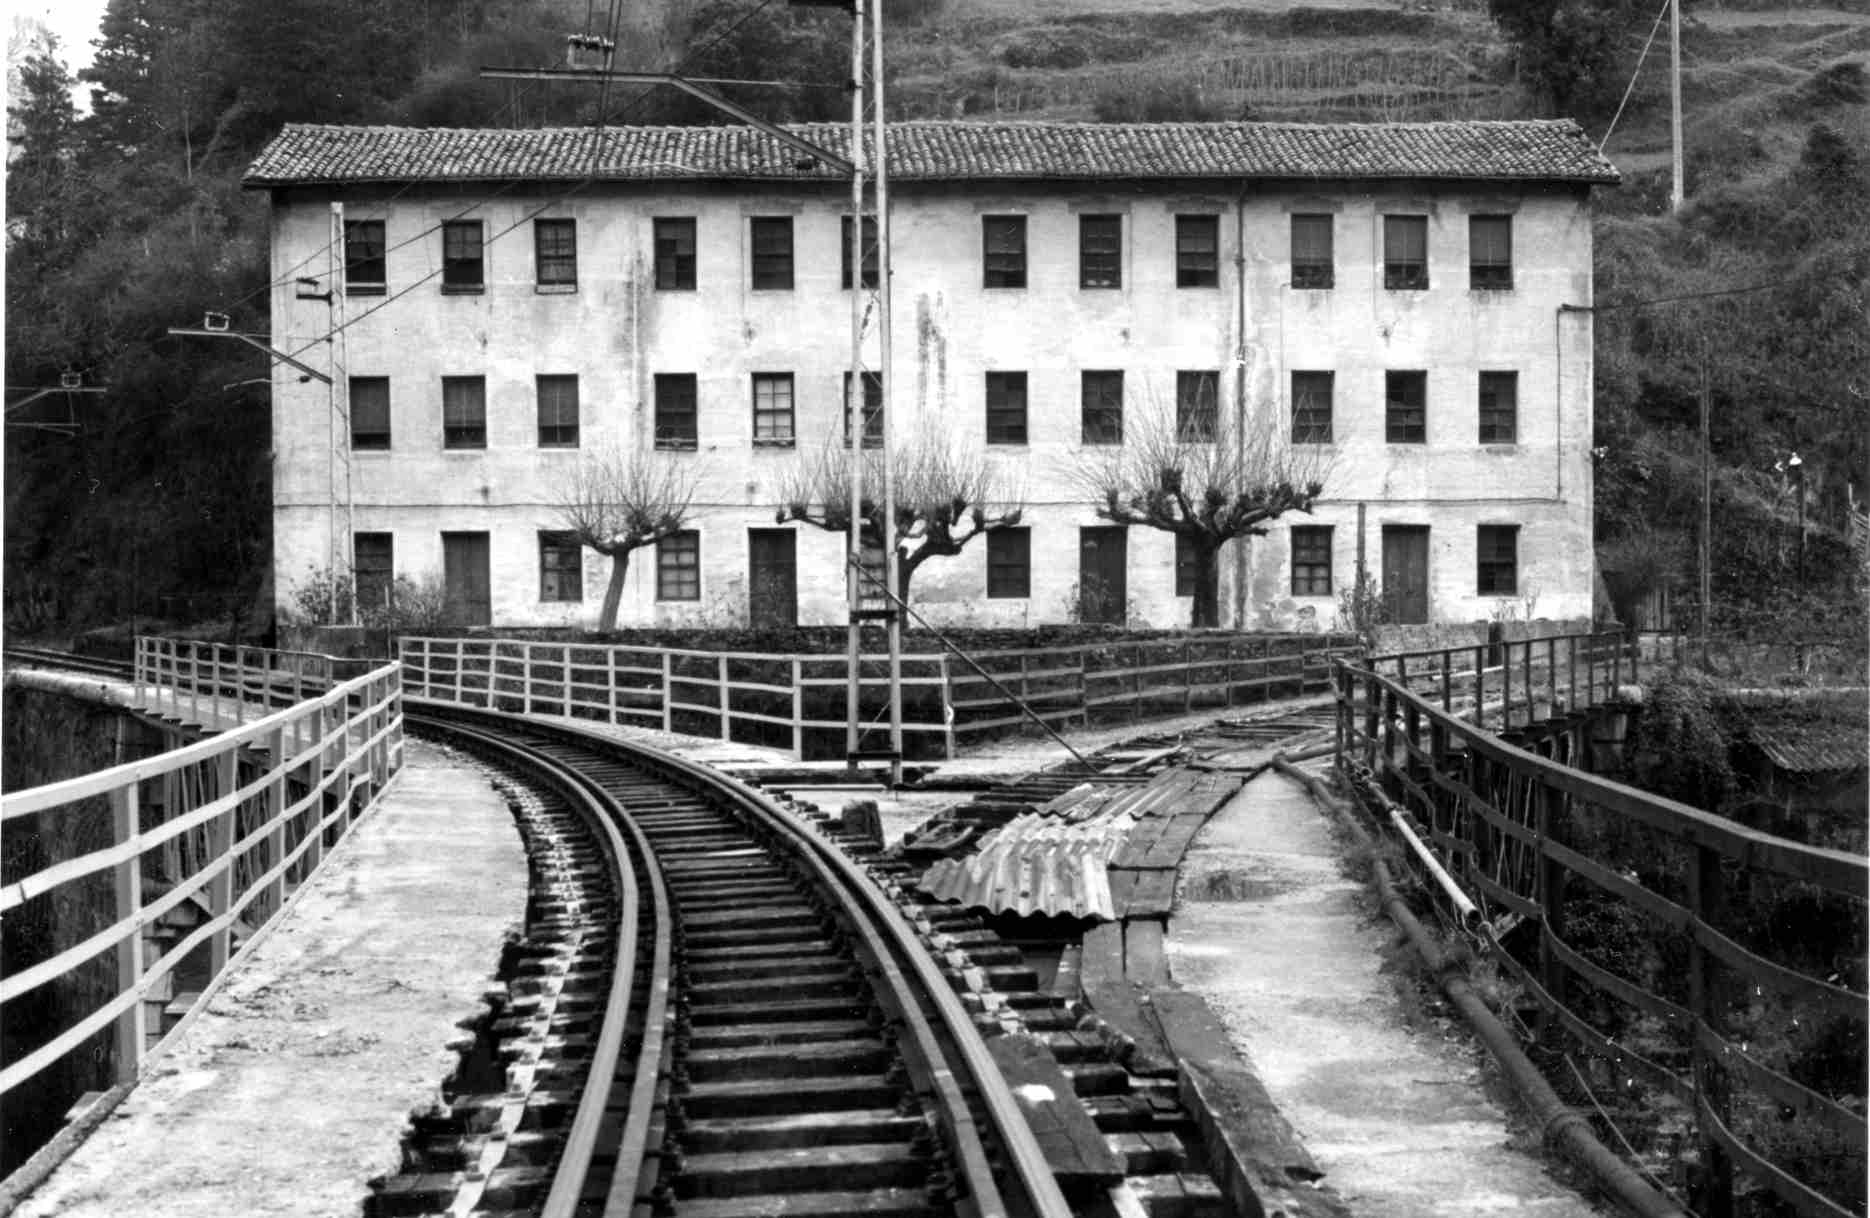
(91, 665)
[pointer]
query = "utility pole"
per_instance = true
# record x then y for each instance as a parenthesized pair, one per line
(1707, 493)
(1677, 190)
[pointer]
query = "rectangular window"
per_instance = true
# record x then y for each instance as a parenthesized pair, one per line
(555, 253)
(1311, 560)
(1499, 408)
(373, 566)
(1496, 571)
(1004, 244)
(1312, 262)
(1101, 395)
(1196, 409)
(678, 567)
(772, 410)
(1405, 407)
(1009, 563)
(463, 256)
(558, 411)
(676, 418)
(772, 253)
(1405, 253)
(561, 567)
(1006, 408)
(1100, 251)
(366, 258)
(1490, 252)
(872, 408)
(464, 412)
(1311, 407)
(1184, 566)
(370, 413)
(870, 253)
(1197, 251)
(675, 254)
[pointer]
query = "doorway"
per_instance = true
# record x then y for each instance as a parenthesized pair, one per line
(772, 578)
(467, 588)
(1405, 572)
(1103, 567)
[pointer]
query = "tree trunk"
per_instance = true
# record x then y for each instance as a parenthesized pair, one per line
(613, 593)
(1207, 606)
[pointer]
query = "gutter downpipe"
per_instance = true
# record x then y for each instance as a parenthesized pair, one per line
(1561, 1127)
(1240, 391)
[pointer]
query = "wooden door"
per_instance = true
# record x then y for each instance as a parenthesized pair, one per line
(772, 578)
(1103, 566)
(466, 584)
(1405, 572)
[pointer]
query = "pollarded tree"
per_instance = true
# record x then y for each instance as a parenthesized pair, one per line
(615, 502)
(1185, 476)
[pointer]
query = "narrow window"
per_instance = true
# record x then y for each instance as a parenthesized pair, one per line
(676, 417)
(1006, 408)
(1100, 251)
(1196, 410)
(1490, 252)
(558, 411)
(463, 256)
(1185, 566)
(561, 567)
(772, 410)
(366, 258)
(1311, 407)
(1405, 253)
(870, 253)
(1004, 239)
(872, 408)
(373, 566)
(675, 254)
(772, 253)
(1405, 407)
(1009, 563)
(555, 252)
(678, 567)
(1311, 560)
(1312, 264)
(370, 413)
(1497, 560)
(464, 412)
(1197, 251)
(1101, 395)
(1499, 408)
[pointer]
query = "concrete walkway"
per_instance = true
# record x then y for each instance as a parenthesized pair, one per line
(1389, 1100)
(293, 1088)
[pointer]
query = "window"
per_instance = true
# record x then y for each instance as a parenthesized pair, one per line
(1004, 239)
(370, 413)
(1102, 397)
(1009, 562)
(872, 408)
(558, 411)
(366, 258)
(1490, 252)
(1499, 408)
(1311, 560)
(1405, 253)
(1185, 566)
(1496, 570)
(676, 424)
(772, 253)
(1311, 407)
(1405, 407)
(675, 255)
(373, 566)
(1196, 412)
(1100, 251)
(463, 268)
(555, 253)
(1006, 408)
(678, 567)
(464, 412)
(772, 409)
(1197, 251)
(561, 567)
(870, 253)
(1312, 263)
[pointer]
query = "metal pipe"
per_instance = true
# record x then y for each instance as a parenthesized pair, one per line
(853, 397)
(1470, 916)
(880, 175)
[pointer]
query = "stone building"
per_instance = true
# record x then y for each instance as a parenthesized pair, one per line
(1404, 301)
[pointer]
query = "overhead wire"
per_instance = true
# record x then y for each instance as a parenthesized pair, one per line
(1634, 73)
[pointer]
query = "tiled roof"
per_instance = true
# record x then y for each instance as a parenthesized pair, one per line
(1548, 151)
(1802, 747)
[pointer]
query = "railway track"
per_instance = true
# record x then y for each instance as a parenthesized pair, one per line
(46, 657)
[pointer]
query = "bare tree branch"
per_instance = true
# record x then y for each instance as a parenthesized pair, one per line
(614, 502)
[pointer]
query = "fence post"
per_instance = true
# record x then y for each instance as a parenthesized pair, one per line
(1188, 680)
(1480, 687)
(798, 709)
(668, 691)
(132, 1024)
(1341, 687)
(194, 681)
(610, 689)
(1550, 880)
(1371, 711)
(1616, 668)
(947, 707)
(1705, 898)
(721, 670)
(1525, 668)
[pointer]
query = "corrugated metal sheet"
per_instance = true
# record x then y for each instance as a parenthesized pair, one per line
(1810, 748)
(1038, 864)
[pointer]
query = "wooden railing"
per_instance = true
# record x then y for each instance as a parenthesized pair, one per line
(213, 684)
(1650, 936)
(231, 823)
(1509, 683)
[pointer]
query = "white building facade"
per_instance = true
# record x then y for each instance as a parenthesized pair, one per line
(1407, 303)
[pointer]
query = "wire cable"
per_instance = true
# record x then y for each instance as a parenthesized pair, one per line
(1634, 73)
